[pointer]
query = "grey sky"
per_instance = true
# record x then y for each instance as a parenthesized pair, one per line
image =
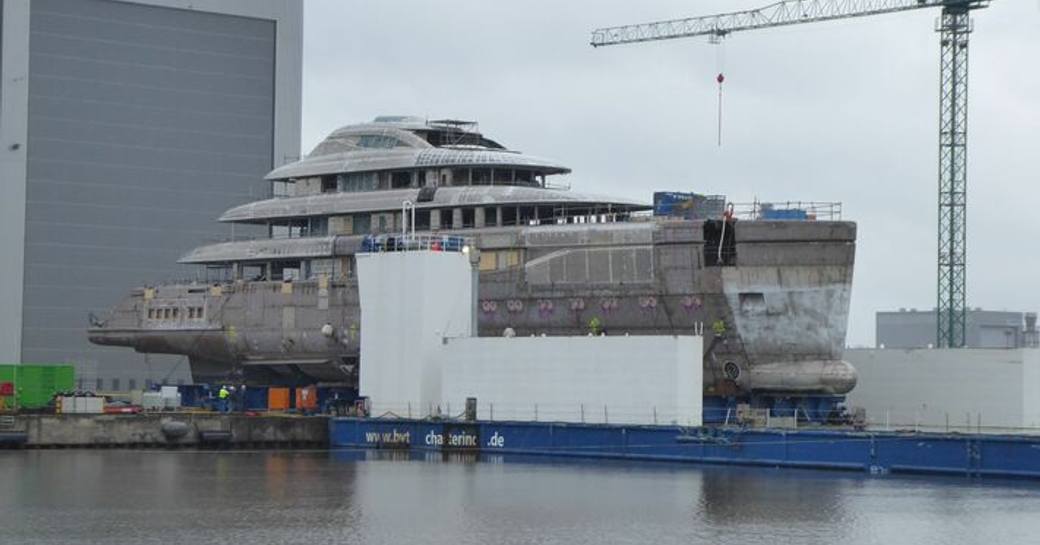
(842, 111)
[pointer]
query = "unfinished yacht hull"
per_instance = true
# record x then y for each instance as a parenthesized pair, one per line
(772, 298)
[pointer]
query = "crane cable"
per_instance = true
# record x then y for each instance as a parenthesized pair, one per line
(720, 62)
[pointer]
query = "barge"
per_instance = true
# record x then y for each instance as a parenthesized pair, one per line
(874, 452)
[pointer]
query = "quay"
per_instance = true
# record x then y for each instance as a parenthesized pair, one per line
(161, 430)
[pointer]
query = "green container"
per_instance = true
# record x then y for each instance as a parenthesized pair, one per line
(36, 384)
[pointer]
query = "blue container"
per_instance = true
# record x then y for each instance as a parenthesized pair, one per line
(194, 395)
(256, 398)
(790, 214)
(688, 205)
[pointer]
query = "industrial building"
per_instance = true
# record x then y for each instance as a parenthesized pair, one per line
(946, 389)
(983, 329)
(125, 128)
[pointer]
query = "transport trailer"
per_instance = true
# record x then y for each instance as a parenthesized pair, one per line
(874, 452)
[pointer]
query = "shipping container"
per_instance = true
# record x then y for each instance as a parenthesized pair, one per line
(307, 399)
(278, 399)
(691, 206)
(256, 398)
(789, 214)
(34, 385)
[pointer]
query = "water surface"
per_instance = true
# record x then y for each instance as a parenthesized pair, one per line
(140, 497)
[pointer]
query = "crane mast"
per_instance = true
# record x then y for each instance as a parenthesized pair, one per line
(954, 26)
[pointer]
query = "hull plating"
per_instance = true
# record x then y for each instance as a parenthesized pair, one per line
(774, 317)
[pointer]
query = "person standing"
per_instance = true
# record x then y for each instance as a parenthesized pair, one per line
(223, 396)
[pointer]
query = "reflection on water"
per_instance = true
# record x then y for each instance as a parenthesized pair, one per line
(401, 497)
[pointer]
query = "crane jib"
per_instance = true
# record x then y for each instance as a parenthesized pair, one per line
(788, 12)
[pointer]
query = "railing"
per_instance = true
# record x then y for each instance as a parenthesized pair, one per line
(789, 210)
(403, 243)
(588, 413)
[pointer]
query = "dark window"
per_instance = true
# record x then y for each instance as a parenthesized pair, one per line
(455, 137)
(400, 180)
(482, 176)
(362, 224)
(357, 181)
(131, 384)
(468, 218)
(508, 215)
(328, 184)
(99, 384)
(318, 227)
(115, 385)
(461, 176)
(503, 176)
(491, 216)
(422, 220)
(525, 214)
(378, 141)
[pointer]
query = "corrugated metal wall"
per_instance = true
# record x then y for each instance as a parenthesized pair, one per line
(145, 123)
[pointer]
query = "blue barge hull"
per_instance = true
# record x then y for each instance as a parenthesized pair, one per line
(873, 452)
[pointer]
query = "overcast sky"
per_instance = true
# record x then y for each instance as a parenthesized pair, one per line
(841, 111)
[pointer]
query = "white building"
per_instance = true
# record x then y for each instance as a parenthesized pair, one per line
(994, 390)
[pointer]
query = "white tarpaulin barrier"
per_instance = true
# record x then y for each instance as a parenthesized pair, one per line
(418, 356)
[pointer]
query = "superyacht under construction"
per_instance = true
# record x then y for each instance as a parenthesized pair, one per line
(771, 295)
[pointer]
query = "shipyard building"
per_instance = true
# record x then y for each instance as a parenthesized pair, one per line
(125, 128)
(984, 329)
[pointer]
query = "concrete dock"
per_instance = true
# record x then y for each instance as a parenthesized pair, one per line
(162, 430)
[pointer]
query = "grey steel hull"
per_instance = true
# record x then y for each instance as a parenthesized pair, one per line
(774, 314)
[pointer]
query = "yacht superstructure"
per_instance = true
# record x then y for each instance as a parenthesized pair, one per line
(771, 296)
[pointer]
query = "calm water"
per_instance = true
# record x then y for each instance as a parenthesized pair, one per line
(142, 497)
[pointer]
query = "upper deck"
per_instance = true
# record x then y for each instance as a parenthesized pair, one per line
(406, 144)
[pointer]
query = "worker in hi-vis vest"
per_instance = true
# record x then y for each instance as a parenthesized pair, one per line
(223, 395)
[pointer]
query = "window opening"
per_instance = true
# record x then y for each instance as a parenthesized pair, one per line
(422, 220)
(509, 215)
(400, 180)
(362, 224)
(503, 176)
(714, 239)
(482, 176)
